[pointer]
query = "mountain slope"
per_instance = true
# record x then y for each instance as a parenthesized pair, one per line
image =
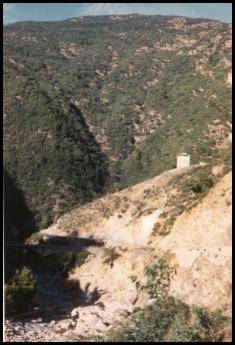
(146, 88)
(52, 156)
(198, 243)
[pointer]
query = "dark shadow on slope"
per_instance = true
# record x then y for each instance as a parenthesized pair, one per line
(51, 261)
(91, 146)
(56, 244)
(73, 242)
(58, 306)
(56, 295)
(19, 222)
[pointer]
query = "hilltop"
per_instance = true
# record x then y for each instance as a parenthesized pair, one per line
(97, 104)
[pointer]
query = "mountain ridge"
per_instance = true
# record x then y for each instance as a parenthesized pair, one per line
(148, 87)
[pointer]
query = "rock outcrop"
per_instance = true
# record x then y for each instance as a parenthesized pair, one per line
(198, 244)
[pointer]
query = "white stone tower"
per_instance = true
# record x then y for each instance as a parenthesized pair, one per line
(183, 160)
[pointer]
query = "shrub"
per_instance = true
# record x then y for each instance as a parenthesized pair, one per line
(171, 320)
(168, 319)
(69, 260)
(81, 257)
(19, 291)
(156, 228)
(200, 183)
(110, 255)
(158, 279)
(226, 156)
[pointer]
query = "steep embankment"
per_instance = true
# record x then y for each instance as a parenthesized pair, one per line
(200, 244)
(197, 241)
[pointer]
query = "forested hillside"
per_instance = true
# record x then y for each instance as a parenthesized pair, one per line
(92, 104)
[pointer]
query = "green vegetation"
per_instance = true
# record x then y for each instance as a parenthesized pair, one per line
(88, 109)
(172, 321)
(225, 158)
(158, 276)
(200, 183)
(56, 171)
(19, 221)
(19, 291)
(21, 283)
(167, 319)
(110, 255)
(101, 103)
(191, 188)
(68, 261)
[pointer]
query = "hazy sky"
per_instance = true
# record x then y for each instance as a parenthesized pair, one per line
(57, 11)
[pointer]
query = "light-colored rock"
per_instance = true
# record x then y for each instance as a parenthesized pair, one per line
(193, 230)
(75, 313)
(199, 244)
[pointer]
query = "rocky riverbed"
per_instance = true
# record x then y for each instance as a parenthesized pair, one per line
(31, 331)
(82, 322)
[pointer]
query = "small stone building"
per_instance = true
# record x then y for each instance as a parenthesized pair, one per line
(183, 160)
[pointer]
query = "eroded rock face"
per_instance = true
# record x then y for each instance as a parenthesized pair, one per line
(199, 244)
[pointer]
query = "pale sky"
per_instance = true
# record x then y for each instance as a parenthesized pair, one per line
(13, 12)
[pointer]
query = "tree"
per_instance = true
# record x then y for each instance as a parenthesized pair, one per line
(20, 291)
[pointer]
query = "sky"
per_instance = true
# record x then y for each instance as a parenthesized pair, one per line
(13, 12)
